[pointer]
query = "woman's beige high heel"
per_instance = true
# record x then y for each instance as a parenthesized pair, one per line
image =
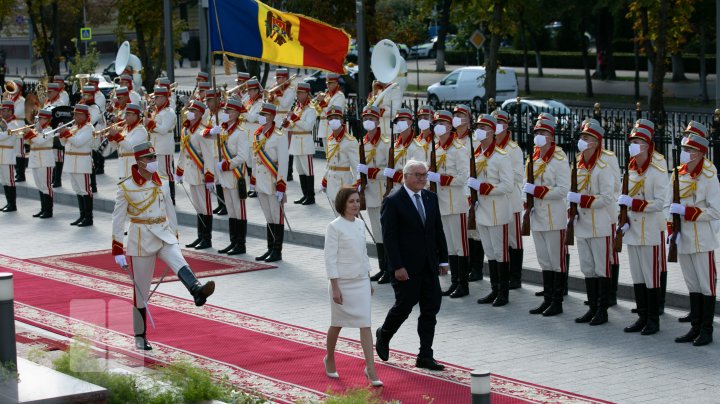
(332, 375)
(374, 383)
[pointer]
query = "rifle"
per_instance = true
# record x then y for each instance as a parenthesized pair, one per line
(572, 211)
(530, 200)
(363, 177)
(672, 248)
(623, 219)
(433, 162)
(391, 159)
(473, 193)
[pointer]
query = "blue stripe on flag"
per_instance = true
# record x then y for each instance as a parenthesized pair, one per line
(239, 32)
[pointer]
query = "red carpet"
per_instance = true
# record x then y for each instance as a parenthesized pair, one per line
(278, 360)
(101, 264)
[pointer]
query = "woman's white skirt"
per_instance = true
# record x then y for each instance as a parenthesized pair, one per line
(356, 307)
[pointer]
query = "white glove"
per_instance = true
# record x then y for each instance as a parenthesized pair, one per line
(624, 227)
(216, 130)
(47, 132)
(279, 195)
(676, 208)
(362, 168)
(121, 260)
(529, 188)
(432, 176)
(677, 239)
(219, 166)
(210, 186)
(389, 172)
(573, 197)
(473, 183)
(179, 179)
(625, 200)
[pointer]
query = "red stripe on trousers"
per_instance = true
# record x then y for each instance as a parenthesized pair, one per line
(132, 273)
(311, 170)
(463, 234)
(663, 256)
(563, 251)
(282, 216)
(616, 257)
(208, 203)
(169, 168)
(608, 272)
(713, 272)
(243, 212)
(88, 188)
(656, 267)
(506, 228)
(48, 180)
(12, 175)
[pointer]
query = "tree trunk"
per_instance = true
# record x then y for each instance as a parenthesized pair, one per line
(586, 64)
(492, 65)
(38, 27)
(703, 69)
(604, 45)
(54, 61)
(442, 34)
(143, 48)
(678, 67)
(636, 49)
(657, 105)
(538, 56)
(525, 52)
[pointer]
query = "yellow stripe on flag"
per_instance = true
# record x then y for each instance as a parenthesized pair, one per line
(280, 33)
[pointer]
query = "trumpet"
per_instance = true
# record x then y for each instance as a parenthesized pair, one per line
(83, 79)
(19, 131)
(103, 132)
(11, 88)
(282, 85)
(239, 87)
(173, 86)
(52, 132)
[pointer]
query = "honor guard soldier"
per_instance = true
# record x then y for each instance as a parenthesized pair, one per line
(64, 97)
(404, 136)
(78, 142)
(172, 100)
(19, 113)
(253, 106)
(133, 133)
(461, 125)
(299, 124)
(231, 172)
(100, 100)
(283, 97)
(127, 81)
(97, 120)
(503, 140)
(201, 92)
(122, 98)
(420, 147)
(241, 92)
(341, 150)
(333, 97)
(161, 129)
(200, 79)
(595, 192)
(144, 200)
(494, 182)
(643, 230)
(376, 148)
(8, 151)
(389, 103)
(548, 222)
(196, 164)
(42, 160)
(697, 241)
(53, 96)
(270, 160)
(211, 120)
(453, 168)
(17, 99)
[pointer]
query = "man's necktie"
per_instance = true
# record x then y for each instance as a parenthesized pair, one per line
(419, 207)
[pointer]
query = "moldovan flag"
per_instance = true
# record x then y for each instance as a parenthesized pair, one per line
(253, 30)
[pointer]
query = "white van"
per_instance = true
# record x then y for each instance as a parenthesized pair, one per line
(468, 84)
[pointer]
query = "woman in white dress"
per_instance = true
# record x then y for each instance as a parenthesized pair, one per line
(348, 269)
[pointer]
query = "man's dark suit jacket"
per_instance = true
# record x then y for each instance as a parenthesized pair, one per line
(408, 242)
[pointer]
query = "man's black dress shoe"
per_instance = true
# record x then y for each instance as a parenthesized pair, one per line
(428, 363)
(382, 347)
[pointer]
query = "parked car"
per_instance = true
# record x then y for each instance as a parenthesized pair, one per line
(468, 84)
(348, 82)
(109, 72)
(530, 108)
(429, 49)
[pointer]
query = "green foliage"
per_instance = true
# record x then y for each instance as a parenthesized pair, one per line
(8, 371)
(355, 396)
(84, 63)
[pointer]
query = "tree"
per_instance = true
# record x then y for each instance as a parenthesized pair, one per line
(444, 24)
(45, 17)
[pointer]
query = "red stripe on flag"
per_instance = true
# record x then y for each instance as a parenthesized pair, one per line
(325, 47)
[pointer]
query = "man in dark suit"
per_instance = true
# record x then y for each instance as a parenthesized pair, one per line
(416, 252)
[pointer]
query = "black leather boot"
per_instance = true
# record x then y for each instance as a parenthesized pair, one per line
(548, 278)
(380, 247)
(57, 175)
(88, 205)
(239, 248)
(291, 158)
(516, 261)
(5, 190)
(20, 169)
(642, 308)
(494, 283)
(503, 296)
(309, 190)
(653, 312)
(93, 181)
(612, 294)
(140, 328)
(591, 286)
(11, 197)
(199, 292)
(232, 225)
(567, 274)
(696, 302)
(269, 238)
(200, 231)
(276, 251)
(463, 288)
(557, 295)
(454, 272)
(48, 207)
(604, 287)
(661, 292)
(206, 241)
(707, 314)
(477, 257)
(81, 206)
(42, 205)
(687, 318)
(221, 210)
(172, 190)
(303, 188)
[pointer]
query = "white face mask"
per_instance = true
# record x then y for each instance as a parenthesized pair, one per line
(262, 119)
(480, 134)
(440, 130)
(424, 124)
(457, 121)
(190, 115)
(634, 149)
(582, 145)
(368, 125)
(401, 126)
(335, 124)
(499, 128)
(540, 140)
(151, 167)
(685, 157)
(224, 117)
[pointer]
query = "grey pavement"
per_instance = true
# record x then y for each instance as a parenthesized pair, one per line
(602, 362)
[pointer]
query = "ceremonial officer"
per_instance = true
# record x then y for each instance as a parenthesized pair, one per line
(202, 88)
(270, 160)
(100, 100)
(595, 191)
(299, 124)
(196, 164)
(161, 129)
(42, 160)
(7, 154)
(240, 90)
(341, 150)
(389, 102)
(495, 183)
(696, 243)
(202, 83)
(144, 200)
(127, 81)
(53, 96)
(211, 120)
(324, 100)
(452, 169)
(421, 146)
(78, 142)
(172, 100)
(253, 106)
(376, 147)
(97, 120)
(132, 134)
(548, 215)
(405, 134)
(461, 125)
(283, 97)
(64, 97)
(231, 172)
(642, 233)
(19, 113)
(122, 98)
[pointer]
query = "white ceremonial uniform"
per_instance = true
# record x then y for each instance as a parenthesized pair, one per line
(268, 173)
(8, 152)
(251, 116)
(55, 102)
(453, 165)
(64, 98)
(131, 137)
(78, 159)
(161, 130)
(390, 103)
(42, 159)
(284, 103)
(301, 138)
(614, 209)
(235, 151)
(19, 110)
(401, 157)
(516, 159)
(336, 99)
(196, 143)
(135, 97)
(419, 149)
(341, 150)
(376, 158)
(100, 101)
